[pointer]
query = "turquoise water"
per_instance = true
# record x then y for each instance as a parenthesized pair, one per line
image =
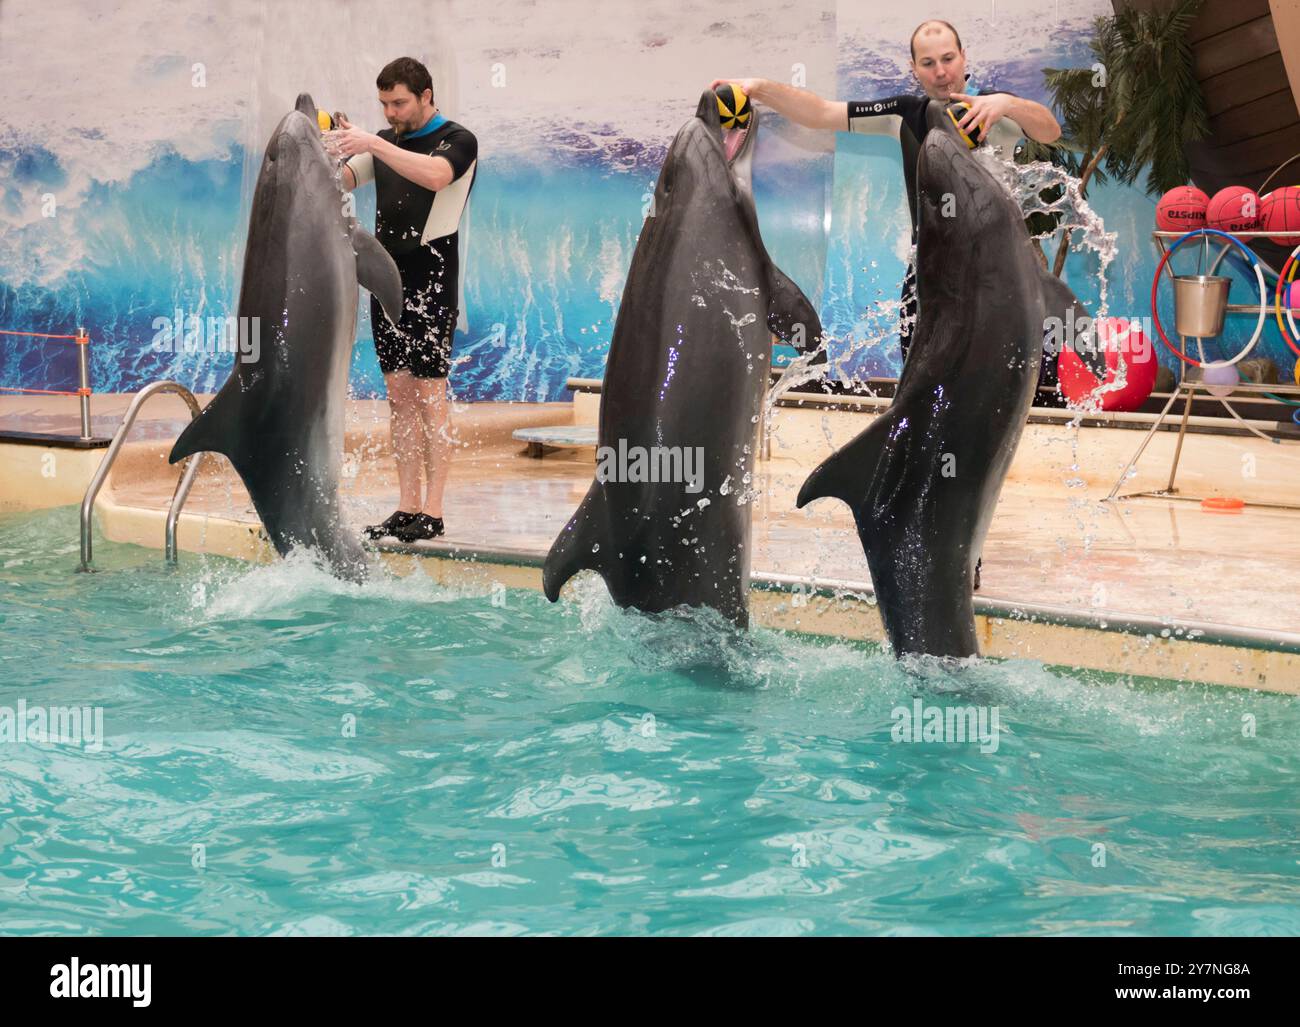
(577, 769)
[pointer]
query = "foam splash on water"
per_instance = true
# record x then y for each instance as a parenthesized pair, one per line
(231, 591)
(700, 643)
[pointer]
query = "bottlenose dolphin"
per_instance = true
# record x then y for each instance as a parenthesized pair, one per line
(923, 479)
(280, 418)
(684, 384)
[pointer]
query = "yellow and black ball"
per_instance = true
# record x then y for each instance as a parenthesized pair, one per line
(973, 135)
(323, 120)
(734, 108)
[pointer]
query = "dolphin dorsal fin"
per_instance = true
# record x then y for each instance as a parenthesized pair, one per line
(377, 273)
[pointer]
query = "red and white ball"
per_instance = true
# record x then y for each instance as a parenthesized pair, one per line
(1234, 209)
(1128, 351)
(1182, 209)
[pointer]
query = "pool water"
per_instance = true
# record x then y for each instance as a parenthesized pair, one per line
(283, 753)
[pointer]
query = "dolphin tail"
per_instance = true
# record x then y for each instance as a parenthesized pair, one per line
(377, 273)
(845, 474)
(578, 546)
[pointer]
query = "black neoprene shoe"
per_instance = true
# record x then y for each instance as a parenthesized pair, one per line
(391, 526)
(422, 526)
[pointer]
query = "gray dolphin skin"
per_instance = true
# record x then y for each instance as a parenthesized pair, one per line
(684, 383)
(923, 479)
(280, 419)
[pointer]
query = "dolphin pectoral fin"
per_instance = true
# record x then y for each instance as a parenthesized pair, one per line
(572, 550)
(377, 273)
(791, 316)
(845, 475)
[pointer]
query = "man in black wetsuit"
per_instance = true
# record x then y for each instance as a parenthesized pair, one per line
(939, 66)
(423, 168)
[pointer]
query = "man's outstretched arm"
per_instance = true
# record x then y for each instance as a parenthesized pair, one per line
(801, 106)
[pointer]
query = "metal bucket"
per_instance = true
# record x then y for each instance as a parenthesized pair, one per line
(1200, 302)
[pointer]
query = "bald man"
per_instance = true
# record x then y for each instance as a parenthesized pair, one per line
(939, 66)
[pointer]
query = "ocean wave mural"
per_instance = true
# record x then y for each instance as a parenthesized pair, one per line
(130, 140)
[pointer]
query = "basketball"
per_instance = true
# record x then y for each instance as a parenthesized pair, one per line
(1182, 209)
(1234, 209)
(734, 107)
(1279, 211)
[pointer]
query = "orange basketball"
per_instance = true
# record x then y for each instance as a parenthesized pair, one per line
(1182, 209)
(1234, 209)
(1279, 211)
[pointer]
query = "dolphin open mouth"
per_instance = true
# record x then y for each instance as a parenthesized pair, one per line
(733, 141)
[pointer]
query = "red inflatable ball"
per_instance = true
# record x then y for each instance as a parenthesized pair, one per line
(1125, 346)
(1182, 209)
(1234, 209)
(1279, 211)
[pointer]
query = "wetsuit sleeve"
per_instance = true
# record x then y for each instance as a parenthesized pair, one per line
(363, 167)
(461, 152)
(882, 117)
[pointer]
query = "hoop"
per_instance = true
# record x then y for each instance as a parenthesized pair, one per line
(1259, 275)
(1284, 279)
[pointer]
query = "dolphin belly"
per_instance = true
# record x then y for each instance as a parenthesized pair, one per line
(924, 478)
(687, 372)
(279, 418)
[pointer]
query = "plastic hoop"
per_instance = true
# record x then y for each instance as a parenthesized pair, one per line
(1283, 279)
(1263, 295)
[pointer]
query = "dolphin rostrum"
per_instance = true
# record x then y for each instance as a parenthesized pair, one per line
(668, 521)
(280, 417)
(923, 479)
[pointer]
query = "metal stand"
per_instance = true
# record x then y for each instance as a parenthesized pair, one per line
(1190, 389)
(1170, 491)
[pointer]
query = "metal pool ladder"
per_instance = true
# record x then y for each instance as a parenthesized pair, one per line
(106, 465)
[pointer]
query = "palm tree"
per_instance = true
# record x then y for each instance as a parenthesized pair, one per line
(1135, 108)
